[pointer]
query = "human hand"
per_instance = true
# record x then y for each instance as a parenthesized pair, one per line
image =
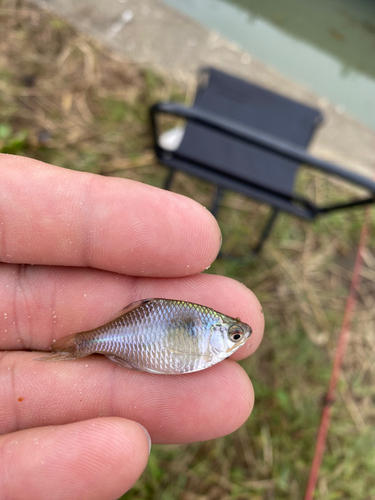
(75, 249)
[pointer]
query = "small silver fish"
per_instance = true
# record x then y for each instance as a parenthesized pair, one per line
(159, 336)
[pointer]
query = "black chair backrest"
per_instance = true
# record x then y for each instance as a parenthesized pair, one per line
(254, 106)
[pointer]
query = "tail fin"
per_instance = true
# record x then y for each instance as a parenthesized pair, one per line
(57, 356)
(63, 349)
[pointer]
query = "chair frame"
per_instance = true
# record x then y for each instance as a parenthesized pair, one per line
(294, 204)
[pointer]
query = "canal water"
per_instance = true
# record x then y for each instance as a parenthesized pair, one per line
(328, 45)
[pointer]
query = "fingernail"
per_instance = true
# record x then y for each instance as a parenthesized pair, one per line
(147, 436)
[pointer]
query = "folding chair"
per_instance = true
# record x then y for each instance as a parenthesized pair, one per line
(245, 138)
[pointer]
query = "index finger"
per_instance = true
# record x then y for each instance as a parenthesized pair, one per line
(54, 216)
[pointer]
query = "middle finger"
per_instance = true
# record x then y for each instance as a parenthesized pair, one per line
(40, 304)
(174, 409)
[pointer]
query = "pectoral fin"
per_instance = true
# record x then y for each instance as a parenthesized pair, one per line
(182, 353)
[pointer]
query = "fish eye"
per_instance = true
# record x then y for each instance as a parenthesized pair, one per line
(235, 333)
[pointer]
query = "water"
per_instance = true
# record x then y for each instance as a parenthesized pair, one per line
(328, 45)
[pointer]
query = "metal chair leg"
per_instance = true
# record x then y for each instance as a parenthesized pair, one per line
(266, 231)
(169, 179)
(217, 200)
(216, 205)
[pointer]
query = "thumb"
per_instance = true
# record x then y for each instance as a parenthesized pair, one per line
(98, 459)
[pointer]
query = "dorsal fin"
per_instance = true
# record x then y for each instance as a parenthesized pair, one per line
(130, 307)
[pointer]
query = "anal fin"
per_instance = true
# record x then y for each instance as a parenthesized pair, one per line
(126, 364)
(122, 362)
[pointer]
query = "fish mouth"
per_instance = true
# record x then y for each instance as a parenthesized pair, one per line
(248, 333)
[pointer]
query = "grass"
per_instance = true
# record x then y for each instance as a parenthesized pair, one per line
(68, 101)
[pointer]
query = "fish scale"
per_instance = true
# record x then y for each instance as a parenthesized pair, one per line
(159, 336)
